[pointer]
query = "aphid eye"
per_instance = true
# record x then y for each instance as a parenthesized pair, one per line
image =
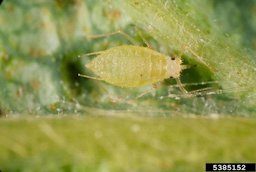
(173, 58)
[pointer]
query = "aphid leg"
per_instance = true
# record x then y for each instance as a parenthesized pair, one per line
(145, 92)
(118, 32)
(115, 99)
(90, 54)
(90, 77)
(143, 38)
(202, 91)
(195, 93)
(181, 87)
(94, 53)
(154, 87)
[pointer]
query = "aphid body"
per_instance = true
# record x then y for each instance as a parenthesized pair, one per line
(134, 66)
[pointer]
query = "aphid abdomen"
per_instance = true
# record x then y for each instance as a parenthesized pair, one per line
(130, 66)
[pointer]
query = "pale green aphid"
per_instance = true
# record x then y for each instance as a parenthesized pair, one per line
(134, 66)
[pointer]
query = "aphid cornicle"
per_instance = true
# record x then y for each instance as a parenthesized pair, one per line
(134, 66)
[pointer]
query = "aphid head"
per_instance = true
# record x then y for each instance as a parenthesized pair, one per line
(174, 67)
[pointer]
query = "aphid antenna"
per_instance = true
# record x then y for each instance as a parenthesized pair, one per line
(200, 58)
(208, 91)
(186, 48)
(205, 83)
(197, 83)
(90, 77)
(118, 32)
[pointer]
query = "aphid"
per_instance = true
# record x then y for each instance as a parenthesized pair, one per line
(134, 66)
